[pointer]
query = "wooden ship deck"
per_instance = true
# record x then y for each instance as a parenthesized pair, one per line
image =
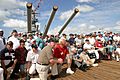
(107, 70)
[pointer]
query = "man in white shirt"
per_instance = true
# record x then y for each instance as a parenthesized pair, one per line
(2, 40)
(116, 37)
(36, 35)
(14, 39)
(87, 46)
(78, 40)
(32, 58)
(100, 36)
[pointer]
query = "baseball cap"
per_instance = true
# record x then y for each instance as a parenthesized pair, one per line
(64, 34)
(52, 40)
(71, 34)
(34, 46)
(14, 31)
(24, 34)
(87, 40)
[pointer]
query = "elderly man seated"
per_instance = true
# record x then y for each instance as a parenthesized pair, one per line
(92, 53)
(81, 60)
(61, 51)
(76, 59)
(90, 62)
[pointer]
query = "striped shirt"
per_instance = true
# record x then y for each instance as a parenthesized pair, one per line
(7, 56)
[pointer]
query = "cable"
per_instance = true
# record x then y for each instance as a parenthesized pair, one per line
(38, 5)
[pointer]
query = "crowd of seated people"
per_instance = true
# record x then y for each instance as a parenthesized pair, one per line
(20, 52)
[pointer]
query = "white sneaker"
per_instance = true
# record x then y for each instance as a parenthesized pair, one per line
(117, 60)
(94, 65)
(69, 71)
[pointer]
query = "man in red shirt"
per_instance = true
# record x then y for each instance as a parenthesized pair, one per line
(61, 51)
(99, 46)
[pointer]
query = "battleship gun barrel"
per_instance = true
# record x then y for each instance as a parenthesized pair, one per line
(29, 19)
(50, 20)
(68, 21)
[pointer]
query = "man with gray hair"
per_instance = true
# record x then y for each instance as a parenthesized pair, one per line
(61, 51)
(77, 60)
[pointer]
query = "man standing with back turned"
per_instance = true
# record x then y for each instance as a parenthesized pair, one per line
(45, 60)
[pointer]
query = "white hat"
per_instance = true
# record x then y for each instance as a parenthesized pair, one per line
(61, 39)
(36, 32)
(1, 30)
(33, 40)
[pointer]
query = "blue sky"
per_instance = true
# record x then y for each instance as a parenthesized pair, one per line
(93, 15)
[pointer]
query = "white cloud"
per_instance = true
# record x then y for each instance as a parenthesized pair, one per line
(55, 30)
(107, 29)
(85, 0)
(4, 14)
(92, 26)
(46, 13)
(66, 15)
(14, 23)
(81, 28)
(17, 12)
(10, 7)
(11, 4)
(117, 27)
(22, 3)
(83, 25)
(118, 23)
(81, 8)
(85, 8)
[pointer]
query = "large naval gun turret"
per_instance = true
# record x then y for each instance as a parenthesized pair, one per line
(68, 21)
(50, 20)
